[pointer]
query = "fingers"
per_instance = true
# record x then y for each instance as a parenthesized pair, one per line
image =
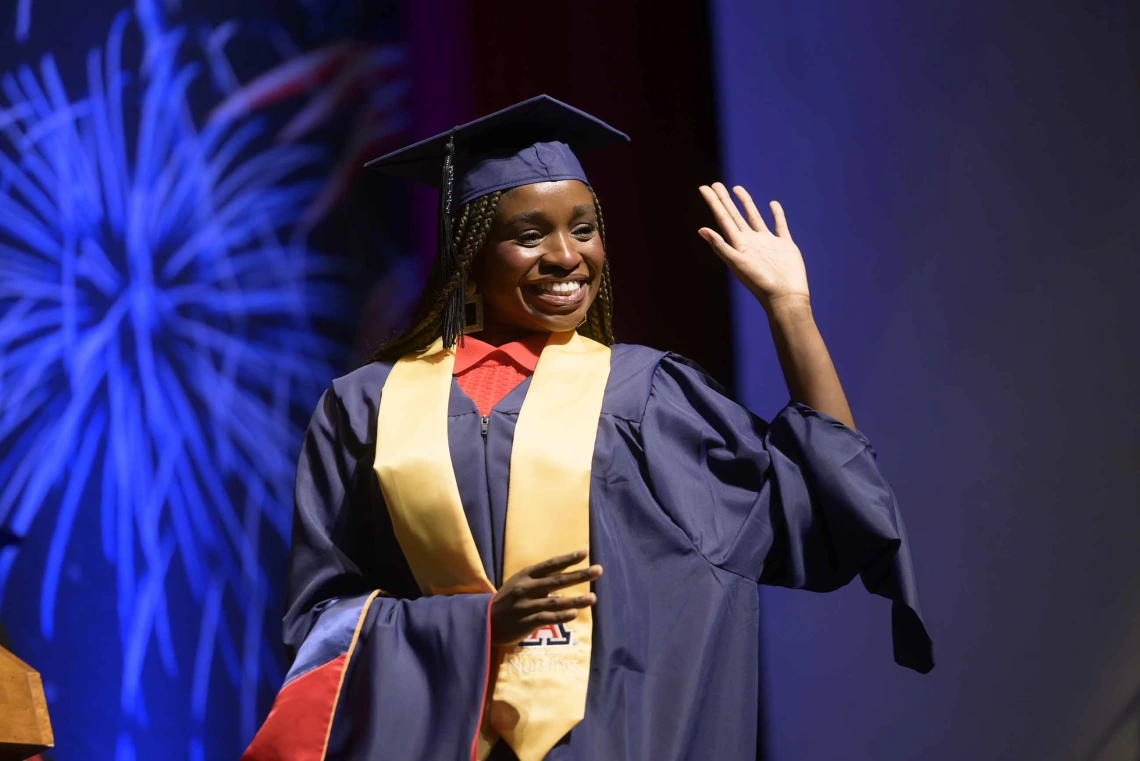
(553, 583)
(728, 216)
(554, 610)
(725, 220)
(754, 217)
(722, 249)
(548, 617)
(526, 602)
(730, 206)
(781, 221)
(555, 564)
(544, 604)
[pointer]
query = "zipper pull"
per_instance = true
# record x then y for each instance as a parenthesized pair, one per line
(483, 421)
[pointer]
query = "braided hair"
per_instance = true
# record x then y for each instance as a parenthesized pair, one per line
(436, 314)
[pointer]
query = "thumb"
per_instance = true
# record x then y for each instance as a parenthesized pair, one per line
(717, 244)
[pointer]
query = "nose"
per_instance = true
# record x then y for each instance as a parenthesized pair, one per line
(561, 253)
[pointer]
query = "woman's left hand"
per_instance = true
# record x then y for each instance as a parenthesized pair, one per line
(770, 266)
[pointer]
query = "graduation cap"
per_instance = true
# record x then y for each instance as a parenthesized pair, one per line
(533, 141)
(537, 140)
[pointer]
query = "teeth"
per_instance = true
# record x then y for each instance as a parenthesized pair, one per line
(562, 288)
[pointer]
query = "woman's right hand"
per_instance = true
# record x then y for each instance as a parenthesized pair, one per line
(524, 603)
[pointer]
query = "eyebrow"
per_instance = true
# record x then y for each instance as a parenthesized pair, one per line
(535, 215)
(527, 216)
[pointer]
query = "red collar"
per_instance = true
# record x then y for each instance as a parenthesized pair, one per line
(524, 352)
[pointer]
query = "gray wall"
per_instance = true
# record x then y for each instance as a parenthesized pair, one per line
(962, 180)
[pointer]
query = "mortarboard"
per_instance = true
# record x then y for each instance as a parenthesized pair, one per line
(533, 141)
(536, 140)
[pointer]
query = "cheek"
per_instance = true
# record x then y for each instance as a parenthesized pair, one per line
(595, 256)
(500, 268)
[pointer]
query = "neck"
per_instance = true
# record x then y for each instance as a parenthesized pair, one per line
(497, 335)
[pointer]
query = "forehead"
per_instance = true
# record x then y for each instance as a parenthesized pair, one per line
(550, 197)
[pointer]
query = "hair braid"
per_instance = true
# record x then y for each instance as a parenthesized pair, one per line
(599, 319)
(461, 223)
(472, 226)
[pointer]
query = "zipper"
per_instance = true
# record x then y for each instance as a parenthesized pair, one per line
(484, 422)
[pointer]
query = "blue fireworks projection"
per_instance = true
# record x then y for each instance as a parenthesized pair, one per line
(157, 354)
(23, 19)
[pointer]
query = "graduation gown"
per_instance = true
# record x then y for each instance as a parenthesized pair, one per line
(693, 501)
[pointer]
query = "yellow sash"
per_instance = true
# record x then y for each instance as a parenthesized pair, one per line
(539, 690)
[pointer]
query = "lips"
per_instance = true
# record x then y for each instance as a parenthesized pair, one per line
(557, 294)
(561, 287)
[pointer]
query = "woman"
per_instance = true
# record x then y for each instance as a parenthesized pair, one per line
(459, 497)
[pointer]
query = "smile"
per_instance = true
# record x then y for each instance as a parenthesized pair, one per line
(561, 287)
(557, 293)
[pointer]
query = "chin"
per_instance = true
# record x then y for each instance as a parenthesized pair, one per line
(551, 322)
(560, 323)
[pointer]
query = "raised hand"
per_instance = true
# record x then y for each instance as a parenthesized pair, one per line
(524, 603)
(770, 266)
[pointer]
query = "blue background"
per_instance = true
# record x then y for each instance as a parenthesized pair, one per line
(180, 278)
(962, 179)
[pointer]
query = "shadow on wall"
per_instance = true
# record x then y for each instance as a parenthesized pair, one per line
(1121, 738)
(962, 179)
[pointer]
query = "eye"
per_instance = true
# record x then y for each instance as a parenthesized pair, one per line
(584, 230)
(529, 237)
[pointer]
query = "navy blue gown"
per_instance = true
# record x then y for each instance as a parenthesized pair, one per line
(693, 502)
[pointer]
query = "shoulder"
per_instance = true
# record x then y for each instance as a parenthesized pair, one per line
(353, 399)
(630, 361)
(640, 373)
(364, 382)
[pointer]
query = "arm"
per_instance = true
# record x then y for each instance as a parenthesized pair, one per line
(409, 673)
(807, 366)
(341, 545)
(798, 502)
(772, 268)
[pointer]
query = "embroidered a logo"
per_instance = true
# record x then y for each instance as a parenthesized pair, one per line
(551, 635)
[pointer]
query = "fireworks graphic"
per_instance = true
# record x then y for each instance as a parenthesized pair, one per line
(23, 19)
(157, 351)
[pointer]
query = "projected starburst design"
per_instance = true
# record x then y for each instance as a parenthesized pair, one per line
(156, 350)
(23, 19)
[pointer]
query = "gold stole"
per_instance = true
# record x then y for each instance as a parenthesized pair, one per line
(538, 692)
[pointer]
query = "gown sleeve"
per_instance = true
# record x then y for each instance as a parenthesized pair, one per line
(798, 503)
(378, 672)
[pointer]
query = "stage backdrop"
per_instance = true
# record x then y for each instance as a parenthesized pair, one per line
(183, 241)
(963, 180)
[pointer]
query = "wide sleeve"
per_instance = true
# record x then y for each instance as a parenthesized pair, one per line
(378, 672)
(799, 502)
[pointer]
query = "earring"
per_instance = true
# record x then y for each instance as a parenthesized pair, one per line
(472, 310)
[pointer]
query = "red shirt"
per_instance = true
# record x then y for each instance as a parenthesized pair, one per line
(487, 373)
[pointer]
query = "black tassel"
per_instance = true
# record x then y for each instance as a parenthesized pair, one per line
(447, 252)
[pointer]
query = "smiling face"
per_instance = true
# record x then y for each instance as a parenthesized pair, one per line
(542, 264)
